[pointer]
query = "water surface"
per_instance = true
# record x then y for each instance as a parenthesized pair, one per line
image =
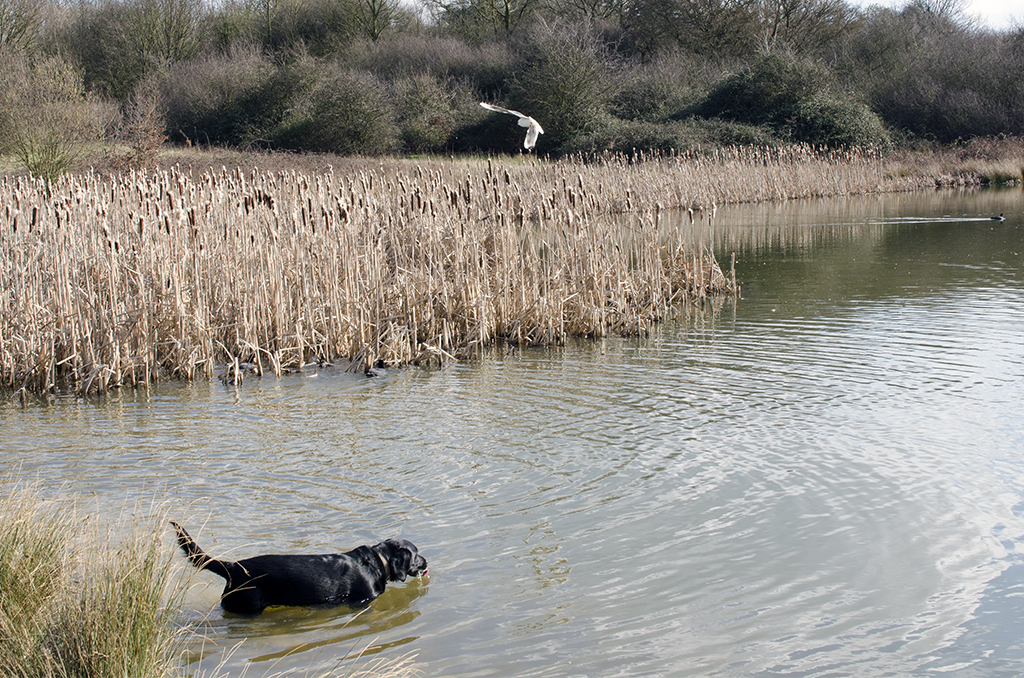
(823, 479)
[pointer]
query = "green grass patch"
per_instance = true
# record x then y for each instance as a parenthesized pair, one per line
(78, 601)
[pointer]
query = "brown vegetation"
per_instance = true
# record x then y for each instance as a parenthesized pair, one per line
(131, 278)
(377, 77)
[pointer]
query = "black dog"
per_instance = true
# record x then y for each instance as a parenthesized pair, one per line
(353, 578)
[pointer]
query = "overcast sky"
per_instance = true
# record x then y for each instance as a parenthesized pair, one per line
(996, 14)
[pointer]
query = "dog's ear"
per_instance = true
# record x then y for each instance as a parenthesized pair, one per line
(401, 558)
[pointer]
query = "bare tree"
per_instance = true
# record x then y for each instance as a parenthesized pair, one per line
(19, 23)
(141, 127)
(376, 16)
(706, 27)
(474, 18)
(266, 12)
(609, 10)
(46, 119)
(803, 25)
(566, 83)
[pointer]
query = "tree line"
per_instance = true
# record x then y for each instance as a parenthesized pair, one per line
(384, 76)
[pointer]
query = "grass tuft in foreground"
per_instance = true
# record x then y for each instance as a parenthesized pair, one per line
(73, 603)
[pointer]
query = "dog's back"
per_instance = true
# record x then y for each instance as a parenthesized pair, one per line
(329, 579)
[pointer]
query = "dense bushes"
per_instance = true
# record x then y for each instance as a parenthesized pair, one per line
(927, 72)
(233, 98)
(345, 111)
(116, 43)
(427, 111)
(368, 76)
(692, 133)
(970, 90)
(798, 100)
(827, 118)
(564, 82)
(652, 92)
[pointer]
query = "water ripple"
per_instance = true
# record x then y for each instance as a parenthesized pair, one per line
(813, 483)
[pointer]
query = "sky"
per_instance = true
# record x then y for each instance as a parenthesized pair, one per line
(995, 14)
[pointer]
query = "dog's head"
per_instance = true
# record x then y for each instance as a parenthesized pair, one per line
(404, 558)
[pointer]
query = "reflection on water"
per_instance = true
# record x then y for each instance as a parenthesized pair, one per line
(824, 478)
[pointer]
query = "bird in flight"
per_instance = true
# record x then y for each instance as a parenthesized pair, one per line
(534, 128)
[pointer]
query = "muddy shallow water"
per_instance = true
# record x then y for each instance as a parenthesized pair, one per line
(823, 478)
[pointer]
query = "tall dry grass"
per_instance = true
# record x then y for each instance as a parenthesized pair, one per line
(126, 279)
(75, 602)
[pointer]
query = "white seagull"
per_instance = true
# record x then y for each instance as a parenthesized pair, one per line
(524, 121)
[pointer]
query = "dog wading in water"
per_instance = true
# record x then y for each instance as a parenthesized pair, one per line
(352, 578)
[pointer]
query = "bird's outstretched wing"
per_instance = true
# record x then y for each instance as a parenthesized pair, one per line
(499, 109)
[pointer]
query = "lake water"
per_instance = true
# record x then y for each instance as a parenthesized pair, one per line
(825, 478)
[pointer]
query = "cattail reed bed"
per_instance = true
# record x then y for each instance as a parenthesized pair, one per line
(125, 279)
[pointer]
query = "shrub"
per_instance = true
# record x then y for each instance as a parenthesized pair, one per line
(163, 31)
(728, 133)
(648, 97)
(232, 23)
(235, 98)
(970, 90)
(798, 100)
(486, 66)
(119, 42)
(319, 26)
(682, 135)
(928, 73)
(658, 90)
(565, 83)
(94, 38)
(765, 93)
(426, 117)
(46, 120)
(828, 120)
(20, 23)
(477, 21)
(141, 127)
(711, 28)
(345, 112)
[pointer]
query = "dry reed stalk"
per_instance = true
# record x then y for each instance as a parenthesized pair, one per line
(126, 279)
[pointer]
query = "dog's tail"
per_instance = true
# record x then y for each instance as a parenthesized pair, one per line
(196, 555)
